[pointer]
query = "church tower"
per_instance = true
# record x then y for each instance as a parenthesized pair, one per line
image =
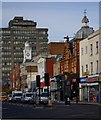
(27, 52)
(85, 29)
(85, 20)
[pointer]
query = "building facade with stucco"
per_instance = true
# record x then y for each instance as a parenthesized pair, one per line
(90, 68)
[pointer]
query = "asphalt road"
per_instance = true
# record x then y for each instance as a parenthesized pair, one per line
(57, 111)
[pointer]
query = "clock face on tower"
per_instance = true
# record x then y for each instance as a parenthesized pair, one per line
(27, 54)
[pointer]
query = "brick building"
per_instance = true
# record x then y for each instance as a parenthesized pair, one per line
(56, 48)
(71, 51)
(15, 78)
(70, 64)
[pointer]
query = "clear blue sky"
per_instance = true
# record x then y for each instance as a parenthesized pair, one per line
(61, 18)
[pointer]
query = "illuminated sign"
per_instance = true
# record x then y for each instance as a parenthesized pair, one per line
(85, 73)
(100, 77)
(92, 79)
(83, 80)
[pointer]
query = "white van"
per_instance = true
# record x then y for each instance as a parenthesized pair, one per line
(26, 97)
(44, 98)
(16, 96)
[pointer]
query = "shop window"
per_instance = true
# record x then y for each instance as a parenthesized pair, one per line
(81, 51)
(86, 49)
(82, 70)
(94, 94)
(97, 65)
(91, 68)
(86, 68)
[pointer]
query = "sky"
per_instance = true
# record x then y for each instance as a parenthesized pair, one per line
(61, 18)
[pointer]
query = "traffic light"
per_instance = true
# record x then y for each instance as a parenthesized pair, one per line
(46, 75)
(38, 80)
(74, 88)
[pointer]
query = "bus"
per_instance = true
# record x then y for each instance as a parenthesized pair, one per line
(3, 96)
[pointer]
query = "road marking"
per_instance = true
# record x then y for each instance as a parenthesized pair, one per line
(4, 108)
(38, 107)
(80, 114)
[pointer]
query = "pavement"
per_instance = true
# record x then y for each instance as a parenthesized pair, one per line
(80, 102)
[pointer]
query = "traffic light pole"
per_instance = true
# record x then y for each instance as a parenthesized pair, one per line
(38, 85)
(47, 84)
(48, 90)
(39, 94)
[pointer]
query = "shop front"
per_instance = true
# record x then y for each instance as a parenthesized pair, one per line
(61, 87)
(53, 88)
(93, 89)
(57, 87)
(83, 89)
(89, 89)
(100, 88)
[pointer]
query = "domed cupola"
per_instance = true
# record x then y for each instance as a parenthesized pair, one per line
(85, 20)
(85, 30)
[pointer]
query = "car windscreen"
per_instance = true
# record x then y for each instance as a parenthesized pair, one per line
(44, 95)
(29, 95)
(17, 94)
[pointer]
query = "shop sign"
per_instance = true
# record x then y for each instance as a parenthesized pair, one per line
(100, 77)
(92, 79)
(85, 73)
(83, 80)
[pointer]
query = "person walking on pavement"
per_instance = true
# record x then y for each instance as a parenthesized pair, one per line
(77, 99)
(67, 100)
(55, 97)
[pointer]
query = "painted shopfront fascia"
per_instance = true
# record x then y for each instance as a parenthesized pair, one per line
(89, 88)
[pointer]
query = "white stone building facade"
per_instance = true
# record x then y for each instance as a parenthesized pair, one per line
(89, 68)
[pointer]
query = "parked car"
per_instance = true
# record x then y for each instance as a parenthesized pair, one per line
(9, 99)
(26, 97)
(16, 96)
(3, 96)
(44, 98)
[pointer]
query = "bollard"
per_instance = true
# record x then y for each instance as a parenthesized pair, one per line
(37, 100)
(49, 103)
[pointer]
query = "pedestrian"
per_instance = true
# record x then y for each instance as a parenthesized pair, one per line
(77, 99)
(67, 100)
(55, 97)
